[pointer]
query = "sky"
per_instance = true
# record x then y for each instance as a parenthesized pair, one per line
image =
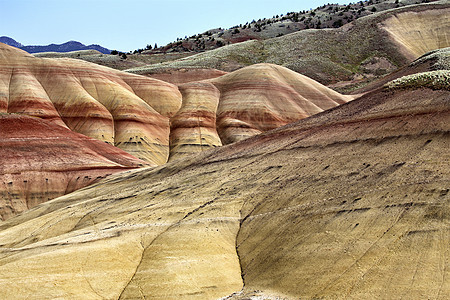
(129, 25)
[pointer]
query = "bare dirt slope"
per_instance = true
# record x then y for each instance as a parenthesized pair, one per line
(350, 203)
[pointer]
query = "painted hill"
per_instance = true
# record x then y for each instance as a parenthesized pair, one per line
(350, 203)
(129, 111)
(359, 51)
(135, 112)
(262, 97)
(242, 104)
(150, 119)
(40, 161)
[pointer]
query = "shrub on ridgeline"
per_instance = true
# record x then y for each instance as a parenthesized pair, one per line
(433, 80)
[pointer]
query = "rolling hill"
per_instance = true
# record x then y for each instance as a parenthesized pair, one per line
(128, 111)
(134, 112)
(150, 119)
(349, 203)
(239, 177)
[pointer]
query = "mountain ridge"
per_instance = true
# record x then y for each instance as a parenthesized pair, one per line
(64, 47)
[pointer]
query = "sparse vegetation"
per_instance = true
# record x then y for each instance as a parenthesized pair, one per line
(354, 56)
(440, 59)
(325, 16)
(433, 79)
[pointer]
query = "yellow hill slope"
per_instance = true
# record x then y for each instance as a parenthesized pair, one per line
(350, 203)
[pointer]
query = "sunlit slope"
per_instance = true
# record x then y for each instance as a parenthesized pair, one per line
(350, 203)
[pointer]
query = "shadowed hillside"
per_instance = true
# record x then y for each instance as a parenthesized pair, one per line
(350, 203)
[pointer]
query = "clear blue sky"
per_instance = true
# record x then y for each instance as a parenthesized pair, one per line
(129, 25)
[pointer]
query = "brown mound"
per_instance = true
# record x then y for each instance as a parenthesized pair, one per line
(264, 96)
(350, 203)
(245, 103)
(40, 161)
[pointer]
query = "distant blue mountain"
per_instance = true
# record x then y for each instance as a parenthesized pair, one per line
(9, 41)
(66, 47)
